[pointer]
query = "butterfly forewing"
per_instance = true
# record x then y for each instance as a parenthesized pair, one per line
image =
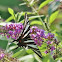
(26, 30)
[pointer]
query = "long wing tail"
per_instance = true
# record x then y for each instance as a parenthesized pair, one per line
(36, 50)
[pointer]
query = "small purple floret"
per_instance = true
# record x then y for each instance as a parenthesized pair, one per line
(48, 42)
(1, 55)
(46, 52)
(49, 36)
(52, 48)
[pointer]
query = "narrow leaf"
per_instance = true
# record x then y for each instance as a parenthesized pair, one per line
(33, 17)
(44, 3)
(11, 11)
(36, 22)
(53, 17)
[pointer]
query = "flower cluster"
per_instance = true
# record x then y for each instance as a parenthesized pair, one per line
(39, 37)
(6, 57)
(13, 30)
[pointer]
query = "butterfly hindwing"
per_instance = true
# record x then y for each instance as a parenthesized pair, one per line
(35, 50)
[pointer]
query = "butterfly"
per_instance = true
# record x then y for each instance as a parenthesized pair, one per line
(24, 38)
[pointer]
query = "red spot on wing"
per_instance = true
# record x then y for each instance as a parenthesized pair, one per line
(20, 41)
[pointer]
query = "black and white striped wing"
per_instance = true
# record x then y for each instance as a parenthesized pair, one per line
(30, 44)
(26, 30)
(25, 36)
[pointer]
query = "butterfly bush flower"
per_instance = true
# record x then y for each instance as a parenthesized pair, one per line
(7, 57)
(37, 35)
(13, 30)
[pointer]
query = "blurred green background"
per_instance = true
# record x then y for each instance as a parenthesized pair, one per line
(14, 4)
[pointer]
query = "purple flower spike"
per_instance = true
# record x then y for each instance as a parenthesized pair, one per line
(37, 35)
(12, 30)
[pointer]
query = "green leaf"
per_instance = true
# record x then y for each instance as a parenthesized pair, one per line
(32, 17)
(11, 11)
(53, 16)
(19, 53)
(20, 14)
(46, 58)
(60, 58)
(44, 3)
(59, 16)
(36, 22)
(9, 19)
(3, 44)
(53, 7)
(28, 58)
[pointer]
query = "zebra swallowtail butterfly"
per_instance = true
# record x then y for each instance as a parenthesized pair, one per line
(25, 35)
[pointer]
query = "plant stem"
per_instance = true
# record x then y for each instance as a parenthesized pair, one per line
(7, 47)
(56, 48)
(39, 18)
(47, 27)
